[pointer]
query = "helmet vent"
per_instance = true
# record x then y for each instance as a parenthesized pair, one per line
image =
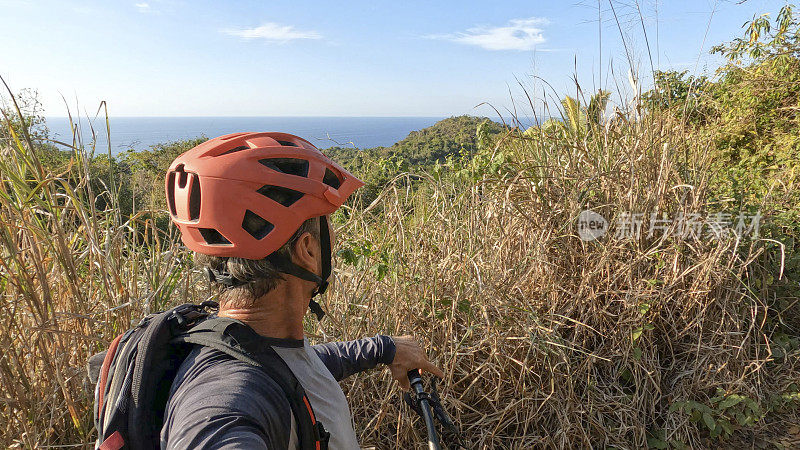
(287, 143)
(236, 149)
(331, 179)
(291, 166)
(213, 237)
(282, 195)
(194, 200)
(171, 194)
(256, 225)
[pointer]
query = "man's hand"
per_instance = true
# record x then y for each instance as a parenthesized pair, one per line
(409, 355)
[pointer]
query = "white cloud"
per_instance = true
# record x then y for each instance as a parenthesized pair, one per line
(142, 7)
(518, 34)
(273, 32)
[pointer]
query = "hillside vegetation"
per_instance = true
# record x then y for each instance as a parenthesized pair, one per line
(670, 337)
(447, 140)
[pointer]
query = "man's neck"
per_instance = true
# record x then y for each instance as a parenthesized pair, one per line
(277, 314)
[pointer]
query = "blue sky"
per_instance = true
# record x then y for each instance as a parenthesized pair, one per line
(357, 58)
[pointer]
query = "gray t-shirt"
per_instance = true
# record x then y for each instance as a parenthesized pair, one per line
(326, 396)
(218, 402)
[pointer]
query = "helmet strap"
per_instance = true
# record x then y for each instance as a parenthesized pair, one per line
(222, 277)
(285, 265)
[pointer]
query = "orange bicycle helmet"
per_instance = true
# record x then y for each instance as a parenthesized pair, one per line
(245, 194)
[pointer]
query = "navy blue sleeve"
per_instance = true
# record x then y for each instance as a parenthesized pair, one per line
(217, 402)
(347, 358)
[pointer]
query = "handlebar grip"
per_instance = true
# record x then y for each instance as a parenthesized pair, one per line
(414, 376)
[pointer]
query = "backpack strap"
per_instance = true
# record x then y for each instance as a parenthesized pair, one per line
(108, 356)
(239, 341)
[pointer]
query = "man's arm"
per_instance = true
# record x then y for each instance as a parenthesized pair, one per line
(347, 358)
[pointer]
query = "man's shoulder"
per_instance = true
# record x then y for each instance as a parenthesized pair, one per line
(216, 373)
(207, 364)
(213, 392)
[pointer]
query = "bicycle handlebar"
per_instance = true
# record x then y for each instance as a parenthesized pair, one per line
(415, 378)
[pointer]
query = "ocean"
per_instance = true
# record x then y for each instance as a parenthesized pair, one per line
(138, 133)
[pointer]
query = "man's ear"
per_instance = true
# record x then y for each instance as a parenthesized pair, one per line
(306, 253)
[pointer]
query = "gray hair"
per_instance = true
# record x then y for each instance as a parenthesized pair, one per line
(260, 276)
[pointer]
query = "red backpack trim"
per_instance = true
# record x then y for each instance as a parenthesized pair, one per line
(101, 385)
(113, 442)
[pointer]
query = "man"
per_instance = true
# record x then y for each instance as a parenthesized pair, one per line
(254, 207)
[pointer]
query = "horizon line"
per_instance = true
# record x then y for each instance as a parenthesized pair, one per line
(275, 117)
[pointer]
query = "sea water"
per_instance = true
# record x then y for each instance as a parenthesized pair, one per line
(138, 133)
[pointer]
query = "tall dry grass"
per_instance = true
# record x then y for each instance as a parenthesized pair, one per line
(547, 341)
(552, 342)
(72, 277)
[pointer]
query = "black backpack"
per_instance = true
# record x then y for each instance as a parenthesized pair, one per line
(133, 377)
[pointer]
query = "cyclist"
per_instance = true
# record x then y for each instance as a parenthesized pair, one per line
(254, 207)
